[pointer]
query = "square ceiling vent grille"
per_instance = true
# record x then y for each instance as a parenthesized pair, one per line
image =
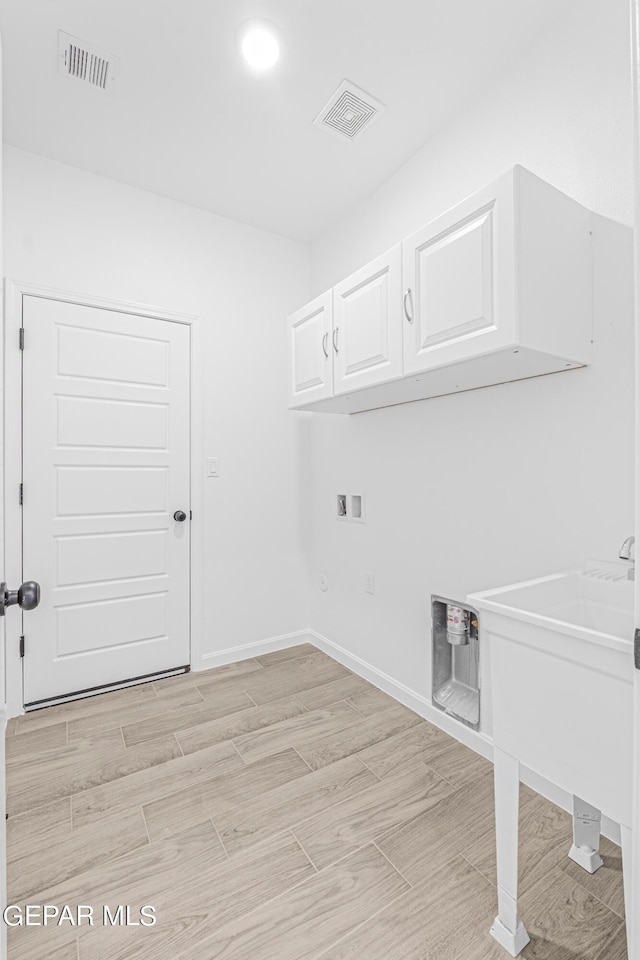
(84, 63)
(349, 112)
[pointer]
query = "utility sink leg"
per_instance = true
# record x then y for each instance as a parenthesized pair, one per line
(507, 929)
(586, 836)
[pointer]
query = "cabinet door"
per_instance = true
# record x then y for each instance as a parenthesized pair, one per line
(367, 325)
(310, 353)
(458, 274)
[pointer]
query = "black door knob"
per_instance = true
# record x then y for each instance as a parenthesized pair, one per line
(27, 596)
(180, 516)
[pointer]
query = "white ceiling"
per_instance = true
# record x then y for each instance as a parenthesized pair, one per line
(190, 122)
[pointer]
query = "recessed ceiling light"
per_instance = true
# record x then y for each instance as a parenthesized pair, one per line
(259, 44)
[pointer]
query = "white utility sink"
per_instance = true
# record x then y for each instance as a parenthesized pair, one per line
(560, 681)
(594, 603)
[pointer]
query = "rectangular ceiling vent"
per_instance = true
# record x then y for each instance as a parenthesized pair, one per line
(83, 62)
(349, 111)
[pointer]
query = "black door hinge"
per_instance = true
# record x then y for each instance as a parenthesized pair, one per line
(190, 514)
(22, 338)
(21, 494)
(636, 648)
(22, 646)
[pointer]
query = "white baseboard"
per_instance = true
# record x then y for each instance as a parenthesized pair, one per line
(473, 739)
(415, 701)
(219, 657)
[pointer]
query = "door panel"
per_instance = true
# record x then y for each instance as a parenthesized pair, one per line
(101, 491)
(451, 307)
(368, 325)
(100, 624)
(105, 465)
(93, 354)
(111, 556)
(310, 355)
(459, 275)
(84, 421)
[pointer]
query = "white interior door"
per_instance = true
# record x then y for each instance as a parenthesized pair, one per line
(105, 467)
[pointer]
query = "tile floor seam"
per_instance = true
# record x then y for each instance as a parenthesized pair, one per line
(330, 805)
(352, 852)
(603, 953)
(98, 786)
(244, 762)
(359, 712)
(251, 698)
(593, 894)
(218, 835)
(483, 875)
(302, 847)
(355, 709)
(39, 806)
(175, 737)
(456, 786)
(376, 913)
(285, 893)
(144, 820)
(303, 759)
(391, 863)
(365, 764)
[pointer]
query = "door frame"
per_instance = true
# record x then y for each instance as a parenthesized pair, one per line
(14, 291)
(633, 923)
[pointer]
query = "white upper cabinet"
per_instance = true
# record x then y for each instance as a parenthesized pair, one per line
(497, 289)
(508, 267)
(367, 327)
(310, 352)
(458, 280)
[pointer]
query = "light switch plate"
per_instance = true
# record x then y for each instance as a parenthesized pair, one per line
(213, 467)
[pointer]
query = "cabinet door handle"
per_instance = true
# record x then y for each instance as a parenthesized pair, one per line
(408, 297)
(335, 339)
(325, 341)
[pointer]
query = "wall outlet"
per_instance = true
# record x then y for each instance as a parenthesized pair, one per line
(370, 583)
(324, 582)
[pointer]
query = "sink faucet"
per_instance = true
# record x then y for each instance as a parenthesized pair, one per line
(627, 552)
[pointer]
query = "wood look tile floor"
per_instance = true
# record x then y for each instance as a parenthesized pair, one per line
(280, 809)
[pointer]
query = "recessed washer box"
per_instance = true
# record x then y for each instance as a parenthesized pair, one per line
(351, 506)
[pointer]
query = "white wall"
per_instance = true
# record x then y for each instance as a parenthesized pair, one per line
(564, 112)
(73, 230)
(487, 488)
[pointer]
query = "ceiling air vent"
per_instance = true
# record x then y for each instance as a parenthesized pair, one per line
(349, 111)
(83, 62)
